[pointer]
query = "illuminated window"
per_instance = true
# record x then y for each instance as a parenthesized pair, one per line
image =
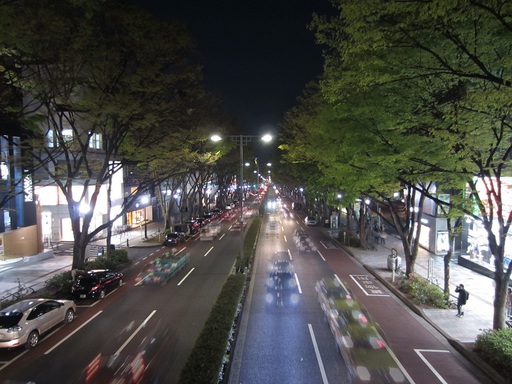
(95, 141)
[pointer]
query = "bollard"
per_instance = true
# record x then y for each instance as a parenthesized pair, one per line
(127, 243)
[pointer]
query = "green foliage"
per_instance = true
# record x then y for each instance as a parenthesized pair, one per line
(205, 361)
(250, 240)
(423, 292)
(349, 238)
(113, 260)
(495, 347)
(59, 286)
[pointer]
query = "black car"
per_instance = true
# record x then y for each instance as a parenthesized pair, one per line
(202, 221)
(193, 226)
(96, 284)
(173, 238)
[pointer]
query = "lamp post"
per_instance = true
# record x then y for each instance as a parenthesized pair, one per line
(241, 141)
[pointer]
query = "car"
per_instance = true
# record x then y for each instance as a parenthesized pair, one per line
(202, 221)
(96, 284)
(182, 228)
(282, 289)
(310, 221)
(193, 226)
(24, 322)
(173, 238)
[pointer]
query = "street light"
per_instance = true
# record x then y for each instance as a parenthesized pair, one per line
(241, 141)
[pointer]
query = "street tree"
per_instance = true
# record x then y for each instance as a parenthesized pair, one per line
(101, 83)
(462, 49)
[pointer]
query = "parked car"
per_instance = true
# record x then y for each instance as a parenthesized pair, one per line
(311, 221)
(173, 238)
(182, 228)
(202, 221)
(24, 322)
(96, 284)
(193, 226)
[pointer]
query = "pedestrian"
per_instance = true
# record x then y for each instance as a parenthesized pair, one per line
(461, 299)
(509, 302)
(383, 236)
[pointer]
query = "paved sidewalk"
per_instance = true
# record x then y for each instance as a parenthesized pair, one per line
(479, 309)
(461, 332)
(33, 271)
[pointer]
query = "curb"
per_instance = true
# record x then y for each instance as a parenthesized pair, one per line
(458, 346)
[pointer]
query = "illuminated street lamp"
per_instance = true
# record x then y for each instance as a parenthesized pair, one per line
(241, 141)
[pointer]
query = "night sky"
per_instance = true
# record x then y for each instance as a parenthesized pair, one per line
(258, 55)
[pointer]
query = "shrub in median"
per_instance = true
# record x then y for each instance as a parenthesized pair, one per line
(115, 259)
(495, 347)
(205, 361)
(423, 292)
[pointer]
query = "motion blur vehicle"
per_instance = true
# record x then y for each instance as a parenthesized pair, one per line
(303, 242)
(281, 285)
(357, 337)
(173, 238)
(96, 284)
(143, 366)
(370, 361)
(24, 322)
(332, 288)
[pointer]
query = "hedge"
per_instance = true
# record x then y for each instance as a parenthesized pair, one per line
(205, 361)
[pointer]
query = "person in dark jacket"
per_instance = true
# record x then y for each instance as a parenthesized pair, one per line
(461, 299)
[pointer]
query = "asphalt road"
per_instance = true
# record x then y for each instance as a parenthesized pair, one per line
(295, 345)
(161, 322)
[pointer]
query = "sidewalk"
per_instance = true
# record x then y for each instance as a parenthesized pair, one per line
(479, 309)
(33, 271)
(461, 333)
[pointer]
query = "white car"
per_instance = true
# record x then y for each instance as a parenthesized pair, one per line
(24, 322)
(311, 220)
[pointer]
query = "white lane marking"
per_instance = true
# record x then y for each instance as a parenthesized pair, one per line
(420, 354)
(290, 254)
(368, 286)
(220, 238)
(181, 250)
(72, 333)
(182, 280)
(145, 257)
(208, 252)
(135, 332)
(285, 239)
(406, 374)
(317, 353)
(298, 283)
(322, 256)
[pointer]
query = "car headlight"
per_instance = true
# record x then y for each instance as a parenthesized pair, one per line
(396, 374)
(363, 373)
(14, 329)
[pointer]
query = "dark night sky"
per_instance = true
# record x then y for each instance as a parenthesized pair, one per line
(258, 55)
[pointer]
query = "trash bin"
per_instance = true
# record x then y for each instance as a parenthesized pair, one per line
(394, 261)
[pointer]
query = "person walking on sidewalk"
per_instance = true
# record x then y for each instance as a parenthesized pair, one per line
(461, 300)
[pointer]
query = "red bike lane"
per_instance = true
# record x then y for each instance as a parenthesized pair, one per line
(416, 345)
